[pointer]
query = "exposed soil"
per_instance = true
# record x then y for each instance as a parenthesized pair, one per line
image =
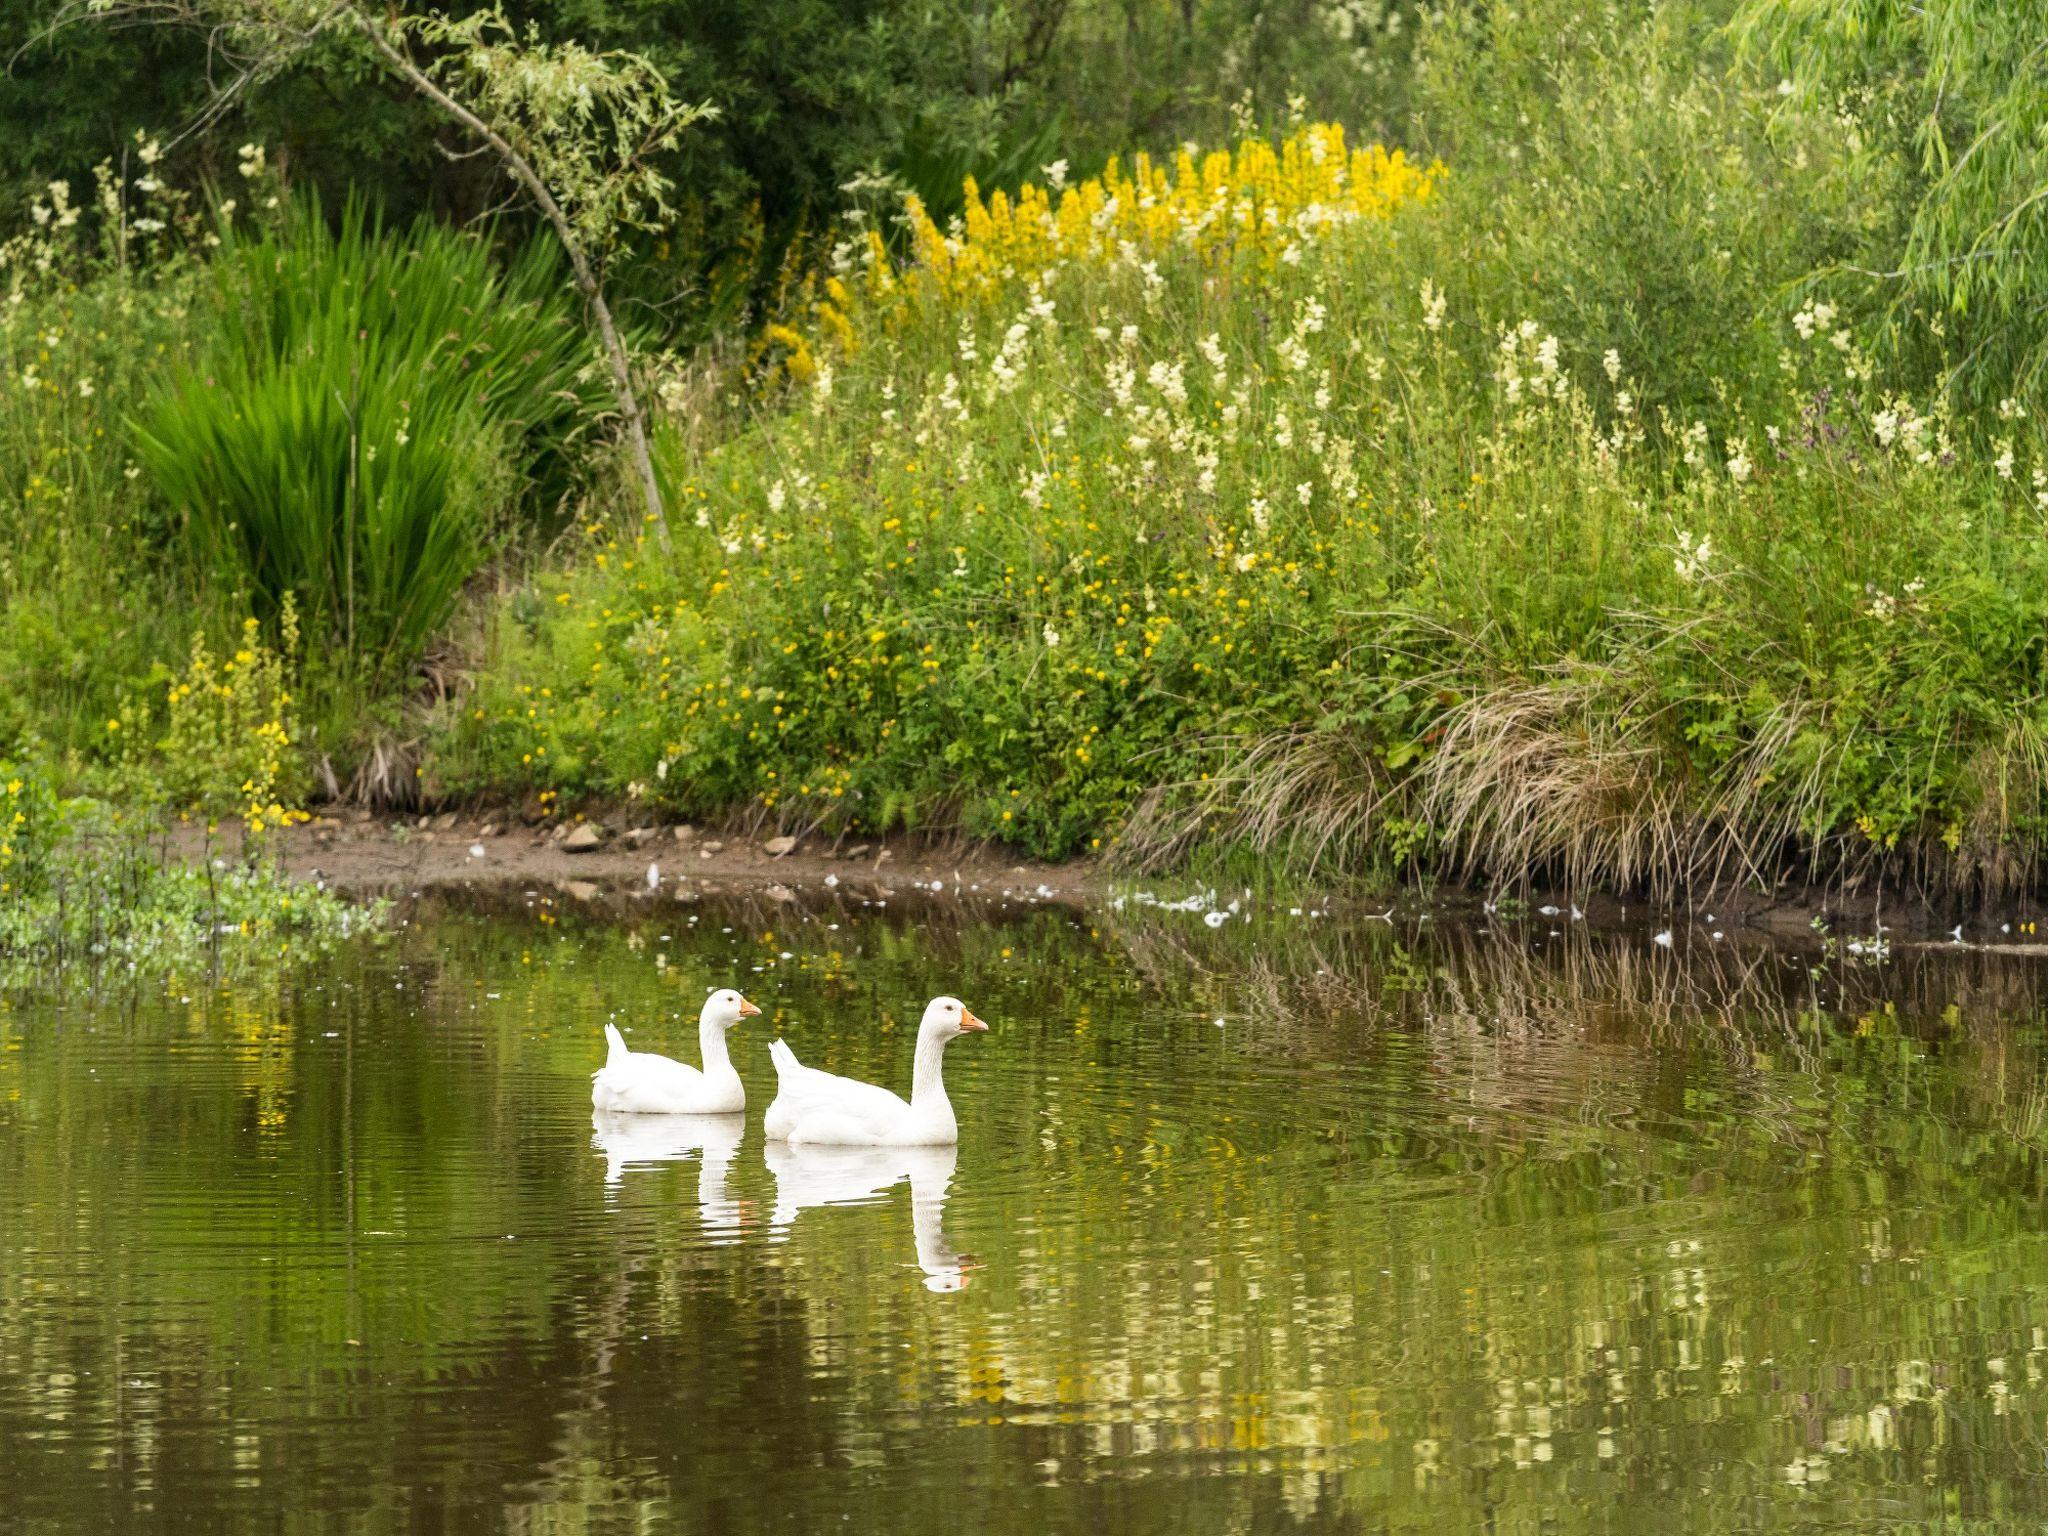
(366, 855)
(406, 856)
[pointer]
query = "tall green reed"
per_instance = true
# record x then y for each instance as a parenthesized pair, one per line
(371, 407)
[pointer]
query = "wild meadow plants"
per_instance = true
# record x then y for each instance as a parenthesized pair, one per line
(1157, 538)
(90, 887)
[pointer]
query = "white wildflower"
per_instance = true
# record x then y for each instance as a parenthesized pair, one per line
(1432, 306)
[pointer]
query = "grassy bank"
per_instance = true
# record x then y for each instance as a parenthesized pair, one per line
(1246, 517)
(1569, 500)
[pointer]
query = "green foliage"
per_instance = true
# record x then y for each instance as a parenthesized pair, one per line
(1629, 187)
(1948, 99)
(89, 600)
(229, 729)
(1324, 556)
(354, 430)
(86, 884)
(811, 94)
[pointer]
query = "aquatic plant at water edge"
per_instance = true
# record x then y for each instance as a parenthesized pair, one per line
(89, 885)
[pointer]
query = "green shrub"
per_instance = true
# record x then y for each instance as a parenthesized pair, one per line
(361, 421)
(1182, 543)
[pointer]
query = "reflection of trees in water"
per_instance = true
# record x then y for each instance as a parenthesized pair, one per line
(1437, 1225)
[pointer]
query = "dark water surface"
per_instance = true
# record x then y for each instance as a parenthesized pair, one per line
(1298, 1223)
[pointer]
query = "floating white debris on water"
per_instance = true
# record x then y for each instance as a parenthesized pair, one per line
(1549, 911)
(476, 850)
(831, 880)
(1662, 939)
(654, 877)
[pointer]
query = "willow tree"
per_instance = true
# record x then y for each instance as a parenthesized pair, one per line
(1957, 90)
(580, 133)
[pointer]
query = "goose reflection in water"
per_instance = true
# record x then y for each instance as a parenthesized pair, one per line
(629, 1140)
(810, 1175)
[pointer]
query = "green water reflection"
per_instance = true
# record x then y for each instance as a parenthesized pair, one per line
(1295, 1224)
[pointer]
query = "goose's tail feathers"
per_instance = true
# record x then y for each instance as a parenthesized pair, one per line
(783, 1057)
(615, 1047)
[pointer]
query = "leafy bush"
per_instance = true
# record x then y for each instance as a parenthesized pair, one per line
(89, 319)
(1624, 182)
(360, 421)
(1943, 104)
(1238, 528)
(229, 728)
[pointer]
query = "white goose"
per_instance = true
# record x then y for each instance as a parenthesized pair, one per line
(815, 1106)
(639, 1082)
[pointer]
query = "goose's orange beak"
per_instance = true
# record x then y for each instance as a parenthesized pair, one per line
(969, 1024)
(748, 1010)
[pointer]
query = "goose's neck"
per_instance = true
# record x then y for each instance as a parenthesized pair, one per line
(711, 1041)
(927, 1086)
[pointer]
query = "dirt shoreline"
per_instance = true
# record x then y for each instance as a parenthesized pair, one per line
(361, 854)
(364, 855)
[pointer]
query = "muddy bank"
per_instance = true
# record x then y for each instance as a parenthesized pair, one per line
(363, 854)
(366, 855)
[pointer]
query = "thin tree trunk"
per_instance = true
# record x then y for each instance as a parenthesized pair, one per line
(579, 263)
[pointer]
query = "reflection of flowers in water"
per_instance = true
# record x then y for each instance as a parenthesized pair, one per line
(811, 1175)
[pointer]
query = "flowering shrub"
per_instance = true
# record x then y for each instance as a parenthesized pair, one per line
(31, 824)
(229, 730)
(1124, 541)
(1250, 210)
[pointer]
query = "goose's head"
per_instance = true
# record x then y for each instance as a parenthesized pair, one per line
(946, 1017)
(726, 1008)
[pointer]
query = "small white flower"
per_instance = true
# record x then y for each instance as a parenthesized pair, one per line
(1432, 306)
(1051, 637)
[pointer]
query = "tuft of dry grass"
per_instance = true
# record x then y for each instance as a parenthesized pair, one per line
(1308, 797)
(1564, 775)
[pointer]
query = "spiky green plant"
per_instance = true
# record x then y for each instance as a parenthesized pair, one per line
(363, 420)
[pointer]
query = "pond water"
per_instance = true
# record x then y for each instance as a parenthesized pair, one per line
(1301, 1223)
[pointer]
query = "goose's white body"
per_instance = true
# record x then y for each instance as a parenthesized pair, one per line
(824, 1108)
(641, 1083)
